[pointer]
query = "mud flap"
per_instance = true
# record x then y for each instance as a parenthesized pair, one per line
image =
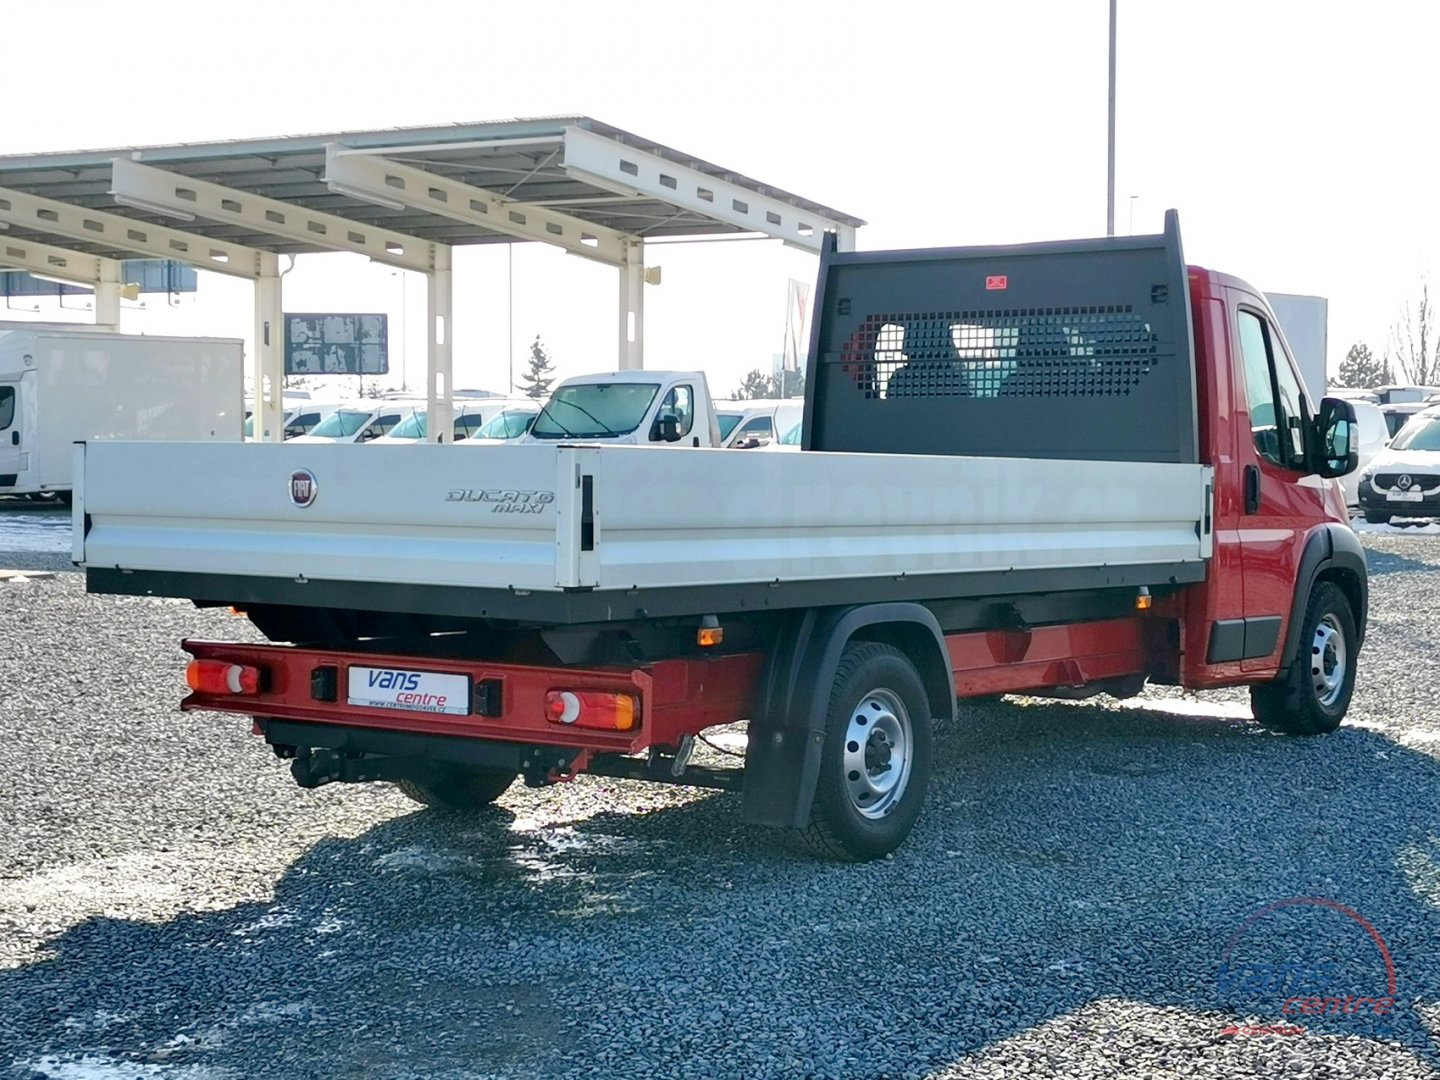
(787, 730)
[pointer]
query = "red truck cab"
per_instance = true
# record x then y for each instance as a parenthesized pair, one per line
(1280, 528)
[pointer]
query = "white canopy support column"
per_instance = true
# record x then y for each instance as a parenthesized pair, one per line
(107, 294)
(269, 374)
(439, 324)
(632, 307)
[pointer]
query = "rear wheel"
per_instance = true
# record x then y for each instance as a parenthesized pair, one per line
(1377, 517)
(875, 764)
(457, 788)
(1312, 698)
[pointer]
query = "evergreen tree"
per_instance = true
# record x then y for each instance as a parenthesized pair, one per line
(1361, 369)
(539, 372)
(759, 385)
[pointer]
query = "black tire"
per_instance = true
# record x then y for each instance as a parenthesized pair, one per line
(1299, 703)
(876, 688)
(456, 787)
(1377, 517)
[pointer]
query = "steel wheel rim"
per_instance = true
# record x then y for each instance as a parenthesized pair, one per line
(1328, 661)
(879, 751)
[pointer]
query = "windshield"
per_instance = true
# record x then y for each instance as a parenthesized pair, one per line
(1418, 435)
(727, 421)
(412, 427)
(340, 425)
(507, 425)
(791, 437)
(594, 410)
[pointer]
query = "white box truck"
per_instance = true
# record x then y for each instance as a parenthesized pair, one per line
(1304, 322)
(62, 386)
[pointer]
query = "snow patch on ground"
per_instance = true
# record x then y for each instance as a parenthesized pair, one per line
(1224, 710)
(1413, 527)
(102, 1067)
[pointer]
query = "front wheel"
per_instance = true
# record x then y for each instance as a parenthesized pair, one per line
(1377, 517)
(455, 787)
(1311, 699)
(875, 764)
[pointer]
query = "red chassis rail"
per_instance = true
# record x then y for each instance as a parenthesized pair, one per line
(675, 697)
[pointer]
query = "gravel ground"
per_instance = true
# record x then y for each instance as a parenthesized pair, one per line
(171, 906)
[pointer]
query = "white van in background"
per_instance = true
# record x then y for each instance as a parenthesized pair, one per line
(470, 415)
(362, 422)
(508, 425)
(748, 425)
(636, 408)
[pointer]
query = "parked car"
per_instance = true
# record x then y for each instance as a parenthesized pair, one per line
(1403, 480)
(1372, 435)
(745, 425)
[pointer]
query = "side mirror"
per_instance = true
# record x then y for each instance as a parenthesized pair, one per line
(667, 429)
(1334, 439)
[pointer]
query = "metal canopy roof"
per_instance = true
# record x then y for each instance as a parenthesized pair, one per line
(585, 170)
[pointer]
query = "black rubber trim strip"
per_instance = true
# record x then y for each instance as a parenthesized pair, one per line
(1262, 632)
(598, 606)
(1227, 641)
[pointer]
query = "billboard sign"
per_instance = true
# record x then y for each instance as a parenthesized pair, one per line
(336, 344)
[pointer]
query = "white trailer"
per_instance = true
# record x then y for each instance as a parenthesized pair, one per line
(62, 386)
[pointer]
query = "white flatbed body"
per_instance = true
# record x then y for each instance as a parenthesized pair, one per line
(615, 529)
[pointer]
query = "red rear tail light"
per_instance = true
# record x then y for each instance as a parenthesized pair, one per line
(589, 709)
(222, 677)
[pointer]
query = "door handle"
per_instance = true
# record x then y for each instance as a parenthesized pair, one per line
(14, 438)
(1252, 489)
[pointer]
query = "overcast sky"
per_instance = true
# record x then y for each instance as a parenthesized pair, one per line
(1296, 137)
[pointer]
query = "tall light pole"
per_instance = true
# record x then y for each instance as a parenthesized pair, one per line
(1110, 173)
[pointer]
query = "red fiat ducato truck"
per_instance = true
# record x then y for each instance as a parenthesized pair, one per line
(1056, 469)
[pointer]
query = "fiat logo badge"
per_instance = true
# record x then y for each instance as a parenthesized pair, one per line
(303, 487)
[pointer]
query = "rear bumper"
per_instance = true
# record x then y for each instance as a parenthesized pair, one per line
(507, 705)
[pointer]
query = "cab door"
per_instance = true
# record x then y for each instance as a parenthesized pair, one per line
(11, 426)
(1281, 500)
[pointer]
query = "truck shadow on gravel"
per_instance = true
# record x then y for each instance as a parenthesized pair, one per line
(1081, 881)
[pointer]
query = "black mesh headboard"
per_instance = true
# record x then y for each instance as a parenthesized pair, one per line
(1078, 350)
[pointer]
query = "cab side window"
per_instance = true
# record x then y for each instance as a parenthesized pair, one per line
(1276, 402)
(680, 403)
(7, 406)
